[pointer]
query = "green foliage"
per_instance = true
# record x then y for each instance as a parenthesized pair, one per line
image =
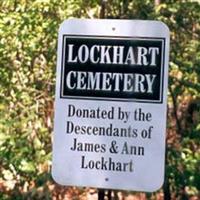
(28, 39)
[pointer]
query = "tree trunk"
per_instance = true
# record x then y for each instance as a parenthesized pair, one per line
(166, 189)
(103, 9)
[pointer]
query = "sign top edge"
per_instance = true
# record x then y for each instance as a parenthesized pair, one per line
(111, 27)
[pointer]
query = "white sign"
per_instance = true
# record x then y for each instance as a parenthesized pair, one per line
(110, 105)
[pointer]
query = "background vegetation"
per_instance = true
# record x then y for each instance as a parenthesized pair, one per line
(28, 39)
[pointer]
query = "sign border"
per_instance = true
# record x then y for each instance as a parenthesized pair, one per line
(162, 39)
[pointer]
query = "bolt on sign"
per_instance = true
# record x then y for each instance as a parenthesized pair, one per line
(110, 104)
